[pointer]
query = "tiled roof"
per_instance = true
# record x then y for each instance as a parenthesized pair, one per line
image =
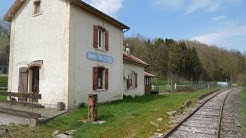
(79, 3)
(131, 58)
(146, 74)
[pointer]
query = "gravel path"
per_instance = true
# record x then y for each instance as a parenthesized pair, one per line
(231, 123)
(9, 119)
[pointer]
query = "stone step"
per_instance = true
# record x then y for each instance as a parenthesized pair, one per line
(20, 113)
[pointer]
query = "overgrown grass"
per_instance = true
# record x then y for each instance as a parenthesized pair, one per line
(3, 86)
(130, 117)
(3, 81)
(243, 108)
(2, 98)
(243, 97)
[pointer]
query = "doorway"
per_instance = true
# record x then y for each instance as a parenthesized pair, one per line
(34, 72)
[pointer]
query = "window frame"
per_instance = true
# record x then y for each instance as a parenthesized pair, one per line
(100, 38)
(37, 7)
(100, 78)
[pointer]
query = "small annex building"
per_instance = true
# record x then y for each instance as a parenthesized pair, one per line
(66, 50)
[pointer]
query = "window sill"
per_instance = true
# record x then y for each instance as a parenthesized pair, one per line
(100, 49)
(37, 14)
(100, 90)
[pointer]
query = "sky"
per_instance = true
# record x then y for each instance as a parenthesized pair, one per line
(214, 22)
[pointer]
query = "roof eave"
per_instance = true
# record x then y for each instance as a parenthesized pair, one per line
(13, 10)
(144, 65)
(98, 13)
(18, 3)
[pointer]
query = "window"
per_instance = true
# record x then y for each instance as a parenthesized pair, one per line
(0, 68)
(130, 81)
(147, 81)
(100, 78)
(136, 79)
(100, 38)
(37, 7)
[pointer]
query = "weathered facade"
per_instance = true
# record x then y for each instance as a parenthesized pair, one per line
(66, 50)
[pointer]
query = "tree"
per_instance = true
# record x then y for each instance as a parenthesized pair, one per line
(4, 43)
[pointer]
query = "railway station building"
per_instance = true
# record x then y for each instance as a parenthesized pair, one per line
(66, 50)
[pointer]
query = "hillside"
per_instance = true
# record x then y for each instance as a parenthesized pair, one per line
(189, 60)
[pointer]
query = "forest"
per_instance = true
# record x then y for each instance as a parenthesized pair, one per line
(4, 43)
(189, 60)
(173, 60)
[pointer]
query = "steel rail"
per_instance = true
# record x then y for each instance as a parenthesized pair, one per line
(190, 115)
(221, 114)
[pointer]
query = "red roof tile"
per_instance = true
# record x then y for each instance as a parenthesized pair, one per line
(146, 74)
(131, 58)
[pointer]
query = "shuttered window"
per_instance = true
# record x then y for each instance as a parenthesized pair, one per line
(129, 83)
(100, 38)
(100, 78)
(37, 7)
(136, 80)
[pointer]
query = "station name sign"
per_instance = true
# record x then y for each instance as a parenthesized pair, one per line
(99, 57)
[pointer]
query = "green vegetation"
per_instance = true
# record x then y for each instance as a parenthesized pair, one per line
(159, 82)
(3, 81)
(243, 109)
(3, 86)
(130, 117)
(243, 97)
(4, 43)
(2, 97)
(189, 60)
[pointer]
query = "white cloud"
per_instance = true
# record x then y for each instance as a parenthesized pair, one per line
(223, 20)
(219, 18)
(191, 6)
(220, 38)
(207, 5)
(170, 4)
(110, 7)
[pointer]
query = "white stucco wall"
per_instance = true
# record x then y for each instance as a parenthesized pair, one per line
(80, 68)
(43, 37)
(129, 68)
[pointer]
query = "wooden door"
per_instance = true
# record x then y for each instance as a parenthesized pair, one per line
(23, 82)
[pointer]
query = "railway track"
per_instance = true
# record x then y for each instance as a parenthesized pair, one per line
(205, 121)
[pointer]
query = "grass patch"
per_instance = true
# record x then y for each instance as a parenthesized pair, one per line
(3, 98)
(243, 107)
(3, 81)
(130, 117)
(243, 97)
(3, 86)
